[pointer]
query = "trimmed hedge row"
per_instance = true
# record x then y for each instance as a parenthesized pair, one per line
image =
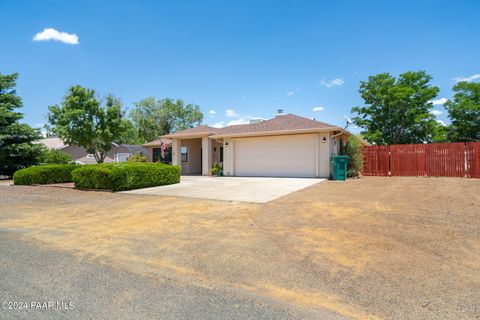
(125, 176)
(47, 174)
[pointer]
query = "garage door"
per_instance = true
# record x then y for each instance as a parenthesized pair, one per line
(278, 156)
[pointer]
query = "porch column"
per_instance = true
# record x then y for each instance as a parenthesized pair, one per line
(206, 156)
(176, 153)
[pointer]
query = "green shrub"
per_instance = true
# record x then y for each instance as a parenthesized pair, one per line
(94, 176)
(353, 149)
(47, 174)
(52, 156)
(125, 176)
(137, 158)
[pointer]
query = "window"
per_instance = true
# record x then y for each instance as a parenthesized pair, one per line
(184, 153)
(156, 154)
(221, 154)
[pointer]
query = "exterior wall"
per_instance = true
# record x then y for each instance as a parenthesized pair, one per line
(228, 146)
(194, 163)
(216, 151)
(324, 155)
(176, 157)
(207, 150)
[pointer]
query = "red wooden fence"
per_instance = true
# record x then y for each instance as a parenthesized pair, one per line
(457, 159)
(473, 159)
(375, 161)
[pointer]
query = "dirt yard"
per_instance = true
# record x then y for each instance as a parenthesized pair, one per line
(373, 248)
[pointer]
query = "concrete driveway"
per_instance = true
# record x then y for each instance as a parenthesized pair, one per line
(246, 189)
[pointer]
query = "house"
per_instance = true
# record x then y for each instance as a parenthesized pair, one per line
(78, 154)
(155, 150)
(285, 146)
(122, 152)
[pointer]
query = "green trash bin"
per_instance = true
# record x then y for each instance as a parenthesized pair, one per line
(339, 167)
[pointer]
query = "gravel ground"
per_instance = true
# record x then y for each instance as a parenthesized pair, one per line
(92, 290)
(377, 248)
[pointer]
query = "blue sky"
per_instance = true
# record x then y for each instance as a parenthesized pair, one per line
(240, 59)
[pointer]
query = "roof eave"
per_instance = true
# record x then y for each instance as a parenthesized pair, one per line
(186, 136)
(273, 133)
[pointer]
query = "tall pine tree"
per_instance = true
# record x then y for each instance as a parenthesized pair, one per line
(16, 148)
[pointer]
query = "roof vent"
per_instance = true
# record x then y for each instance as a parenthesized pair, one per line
(279, 113)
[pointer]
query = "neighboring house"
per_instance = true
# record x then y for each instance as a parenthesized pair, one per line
(285, 146)
(124, 151)
(78, 154)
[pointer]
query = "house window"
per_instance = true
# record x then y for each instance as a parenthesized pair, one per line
(184, 153)
(156, 154)
(221, 154)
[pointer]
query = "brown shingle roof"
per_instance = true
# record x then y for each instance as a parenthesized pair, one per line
(286, 122)
(158, 142)
(194, 131)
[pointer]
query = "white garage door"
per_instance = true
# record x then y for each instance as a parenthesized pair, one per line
(278, 156)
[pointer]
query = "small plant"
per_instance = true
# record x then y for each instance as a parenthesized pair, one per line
(138, 158)
(217, 169)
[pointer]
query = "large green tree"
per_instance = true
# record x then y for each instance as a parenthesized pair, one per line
(17, 149)
(83, 119)
(152, 118)
(464, 112)
(397, 110)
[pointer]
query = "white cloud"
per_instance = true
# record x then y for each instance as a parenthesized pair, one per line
(439, 102)
(52, 34)
(231, 113)
(220, 124)
(436, 112)
(331, 83)
(468, 79)
(291, 93)
(442, 123)
(316, 109)
(212, 112)
(244, 98)
(238, 121)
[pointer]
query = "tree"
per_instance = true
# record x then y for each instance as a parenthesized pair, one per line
(81, 119)
(464, 112)
(130, 135)
(153, 118)
(52, 156)
(17, 149)
(397, 110)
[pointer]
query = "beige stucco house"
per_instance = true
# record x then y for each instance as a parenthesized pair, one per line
(285, 146)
